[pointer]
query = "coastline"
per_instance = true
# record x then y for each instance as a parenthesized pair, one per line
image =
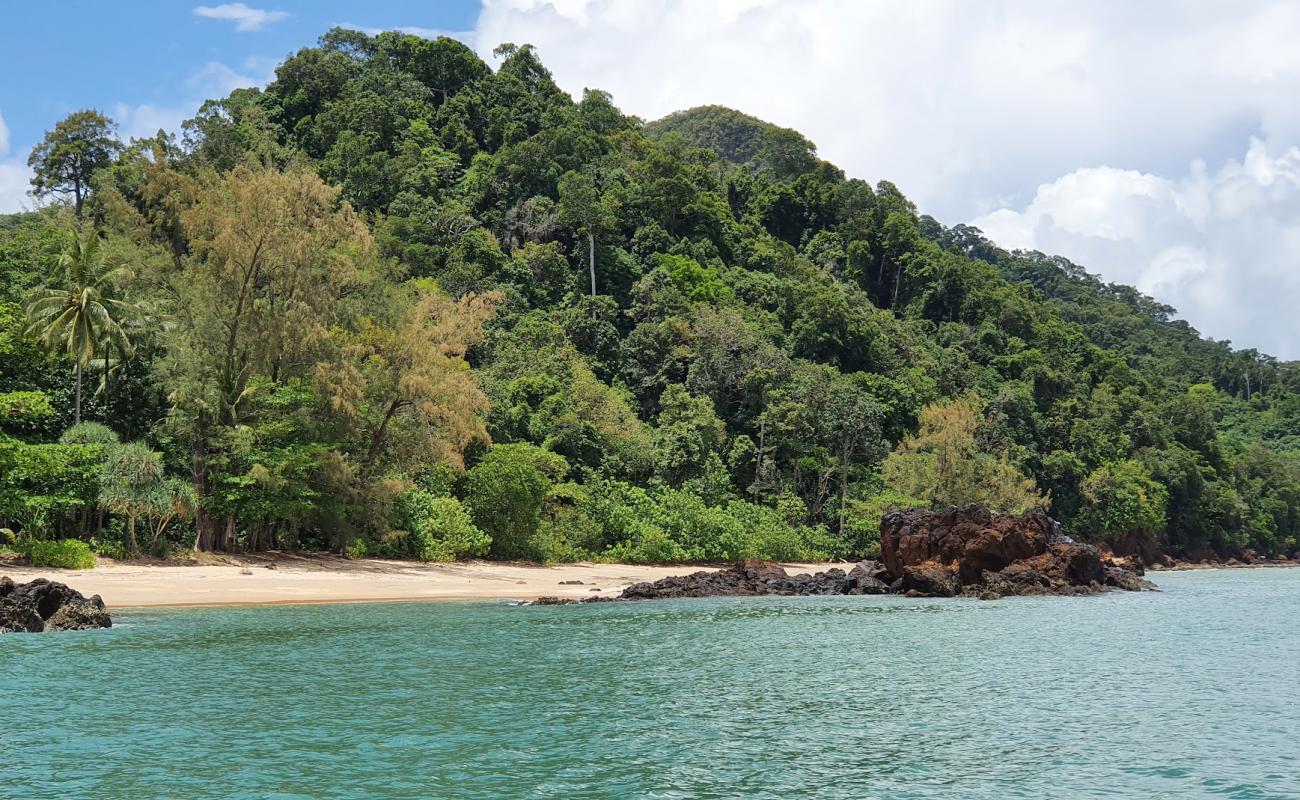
(317, 579)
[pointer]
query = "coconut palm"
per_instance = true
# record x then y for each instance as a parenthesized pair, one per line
(81, 313)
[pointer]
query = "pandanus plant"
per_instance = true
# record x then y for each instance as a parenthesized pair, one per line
(80, 312)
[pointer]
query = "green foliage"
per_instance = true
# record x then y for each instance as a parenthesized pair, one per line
(701, 340)
(89, 433)
(1121, 497)
(505, 492)
(60, 554)
(43, 486)
(945, 465)
(18, 407)
(66, 160)
(435, 529)
(135, 485)
(669, 525)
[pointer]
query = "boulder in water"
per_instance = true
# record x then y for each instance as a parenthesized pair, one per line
(45, 606)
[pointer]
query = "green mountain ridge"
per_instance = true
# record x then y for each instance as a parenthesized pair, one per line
(773, 356)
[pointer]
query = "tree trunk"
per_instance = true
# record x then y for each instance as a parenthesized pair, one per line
(591, 260)
(130, 528)
(377, 440)
(844, 489)
(205, 533)
(76, 419)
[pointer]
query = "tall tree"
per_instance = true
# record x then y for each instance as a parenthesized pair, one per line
(65, 161)
(582, 206)
(412, 378)
(272, 254)
(81, 312)
(945, 465)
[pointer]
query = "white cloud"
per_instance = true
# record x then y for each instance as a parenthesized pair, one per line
(245, 18)
(15, 176)
(212, 81)
(138, 122)
(968, 106)
(1221, 246)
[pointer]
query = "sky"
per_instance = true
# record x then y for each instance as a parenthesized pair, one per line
(1156, 143)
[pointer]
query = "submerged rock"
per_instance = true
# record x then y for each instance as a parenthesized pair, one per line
(45, 606)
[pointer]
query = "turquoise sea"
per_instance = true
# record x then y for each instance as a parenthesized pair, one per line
(1190, 692)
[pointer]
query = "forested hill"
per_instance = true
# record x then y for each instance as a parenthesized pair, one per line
(356, 310)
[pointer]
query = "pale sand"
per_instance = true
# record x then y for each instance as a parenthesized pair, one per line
(326, 579)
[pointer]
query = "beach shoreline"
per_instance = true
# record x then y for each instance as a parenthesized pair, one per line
(282, 579)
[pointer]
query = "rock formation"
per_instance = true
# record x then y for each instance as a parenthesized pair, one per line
(752, 576)
(46, 606)
(968, 551)
(972, 550)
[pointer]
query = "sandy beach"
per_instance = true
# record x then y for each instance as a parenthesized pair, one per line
(330, 579)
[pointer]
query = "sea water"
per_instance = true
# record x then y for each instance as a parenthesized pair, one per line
(1193, 691)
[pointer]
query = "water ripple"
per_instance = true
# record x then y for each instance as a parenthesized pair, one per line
(1190, 692)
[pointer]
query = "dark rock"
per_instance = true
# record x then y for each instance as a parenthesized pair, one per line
(868, 577)
(1140, 546)
(752, 576)
(554, 601)
(930, 580)
(571, 583)
(1128, 581)
(80, 617)
(43, 605)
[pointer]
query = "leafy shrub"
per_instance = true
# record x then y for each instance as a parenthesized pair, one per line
(61, 554)
(669, 525)
(88, 433)
(440, 529)
(357, 547)
(431, 527)
(505, 492)
(108, 548)
(649, 545)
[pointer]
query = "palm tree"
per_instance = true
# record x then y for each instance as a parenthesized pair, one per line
(80, 313)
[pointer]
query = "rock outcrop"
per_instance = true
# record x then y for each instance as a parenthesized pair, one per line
(972, 550)
(968, 551)
(752, 576)
(45, 606)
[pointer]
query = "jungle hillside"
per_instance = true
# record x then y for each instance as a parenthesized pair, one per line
(405, 303)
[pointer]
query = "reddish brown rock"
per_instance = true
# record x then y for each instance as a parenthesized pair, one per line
(974, 551)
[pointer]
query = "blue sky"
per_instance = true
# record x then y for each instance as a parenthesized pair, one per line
(1155, 143)
(62, 56)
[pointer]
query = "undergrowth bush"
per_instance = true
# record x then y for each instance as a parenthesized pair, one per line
(61, 554)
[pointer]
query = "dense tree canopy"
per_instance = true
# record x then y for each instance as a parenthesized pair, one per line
(402, 302)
